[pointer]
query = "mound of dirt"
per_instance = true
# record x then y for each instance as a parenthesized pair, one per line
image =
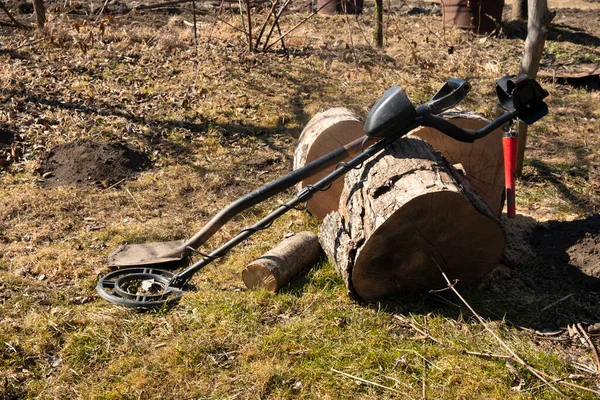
(86, 163)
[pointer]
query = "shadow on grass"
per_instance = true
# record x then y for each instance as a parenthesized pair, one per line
(557, 33)
(549, 174)
(227, 132)
(554, 280)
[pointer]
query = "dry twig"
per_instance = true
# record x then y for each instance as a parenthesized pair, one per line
(370, 383)
(592, 345)
(10, 16)
(556, 302)
(422, 332)
(134, 199)
(498, 339)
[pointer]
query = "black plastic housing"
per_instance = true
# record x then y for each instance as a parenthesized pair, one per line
(391, 113)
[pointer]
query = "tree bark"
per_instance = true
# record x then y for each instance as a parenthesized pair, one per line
(379, 23)
(40, 13)
(403, 214)
(519, 10)
(278, 266)
(482, 160)
(324, 133)
(537, 31)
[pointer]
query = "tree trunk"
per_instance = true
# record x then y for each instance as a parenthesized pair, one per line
(537, 31)
(519, 10)
(324, 133)
(402, 215)
(40, 13)
(379, 23)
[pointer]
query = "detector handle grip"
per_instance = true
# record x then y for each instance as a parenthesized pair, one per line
(452, 93)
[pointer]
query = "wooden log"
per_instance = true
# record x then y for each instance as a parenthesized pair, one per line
(406, 212)
(279, 265)
(324, 133)
(482, 160)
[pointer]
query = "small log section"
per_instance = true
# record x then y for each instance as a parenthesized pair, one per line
(406, 212)
(281, 264)
(324, 133)
(482, 160)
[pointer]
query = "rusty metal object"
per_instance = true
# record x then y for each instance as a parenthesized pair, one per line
(331, 7)
(481, 16)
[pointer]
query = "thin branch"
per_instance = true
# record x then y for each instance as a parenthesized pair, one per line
(10, 16)
(422, 332)
(134, 199)
(195, 27)
(592, 345)
(249, 15)
(491, 355)
(370, 383)
(556, 302)
(248, 39)
(424, 381)
(498, 339)
(264, 25)
(423, 358)
(297, 25)
(276, 21)
(159, 5)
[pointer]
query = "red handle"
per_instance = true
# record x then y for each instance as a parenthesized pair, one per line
(509, 146)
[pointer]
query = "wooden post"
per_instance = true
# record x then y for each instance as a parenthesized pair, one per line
(537, 31)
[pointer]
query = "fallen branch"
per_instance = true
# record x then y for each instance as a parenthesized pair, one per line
(423, 358)
(491, 355)
(556, 302)
(159, 5)
(134, 199)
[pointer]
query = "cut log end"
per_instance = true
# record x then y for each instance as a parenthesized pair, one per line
(324, 133)
(258, 274)
(406, 213)
(440, 230)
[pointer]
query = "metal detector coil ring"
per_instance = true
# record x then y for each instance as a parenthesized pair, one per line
(117, 287)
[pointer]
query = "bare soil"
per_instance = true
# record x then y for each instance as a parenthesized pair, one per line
(574, 244)
(84, 163)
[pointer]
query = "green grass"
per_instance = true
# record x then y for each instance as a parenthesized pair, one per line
(219, 125)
